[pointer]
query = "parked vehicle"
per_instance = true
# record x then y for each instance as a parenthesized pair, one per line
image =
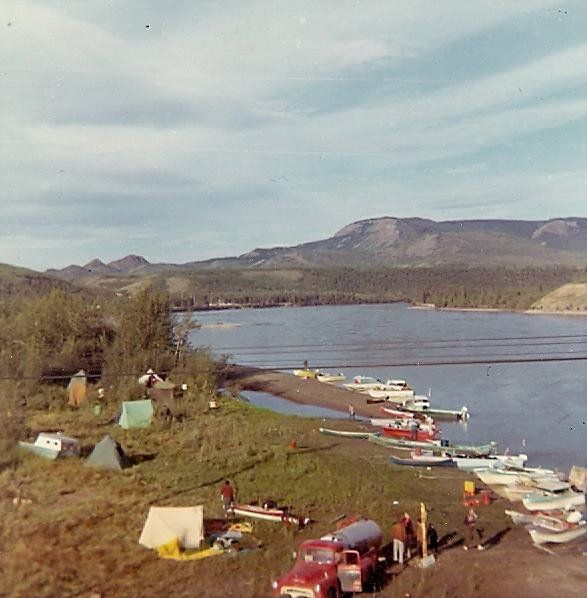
(343, 561)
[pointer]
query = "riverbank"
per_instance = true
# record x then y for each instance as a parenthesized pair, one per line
(69, 515)
(524, 569)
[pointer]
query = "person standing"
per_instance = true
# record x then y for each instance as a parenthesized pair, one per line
(351, 411)
(432, 538)
(227, 495)
(471, 519)
(409, 532)
(398, 537)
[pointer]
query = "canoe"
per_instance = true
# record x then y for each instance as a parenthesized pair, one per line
(257, 512)
(541, 535)
(424, 461)
(445, 447)
(345, 433)
(542, 501)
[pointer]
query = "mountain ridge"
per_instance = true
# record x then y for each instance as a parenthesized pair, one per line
(393, 242)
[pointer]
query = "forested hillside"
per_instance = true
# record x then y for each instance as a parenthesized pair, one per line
(506, 288)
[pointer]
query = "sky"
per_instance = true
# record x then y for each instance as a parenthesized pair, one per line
(186, 130)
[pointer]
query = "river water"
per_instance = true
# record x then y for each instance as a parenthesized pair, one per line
(539, 408)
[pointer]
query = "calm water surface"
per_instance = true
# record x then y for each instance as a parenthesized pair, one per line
(538, 408)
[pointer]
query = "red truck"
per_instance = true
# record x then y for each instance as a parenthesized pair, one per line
(343, 561)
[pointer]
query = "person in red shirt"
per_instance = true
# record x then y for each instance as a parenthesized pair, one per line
(227, 495)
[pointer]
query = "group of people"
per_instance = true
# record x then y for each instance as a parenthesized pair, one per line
(406, 537)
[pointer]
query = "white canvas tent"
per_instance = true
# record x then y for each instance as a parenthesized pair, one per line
(167, 523)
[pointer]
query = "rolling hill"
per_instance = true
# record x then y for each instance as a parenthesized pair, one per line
(390, 242)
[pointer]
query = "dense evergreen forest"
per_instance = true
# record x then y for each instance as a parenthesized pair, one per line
(502, 288)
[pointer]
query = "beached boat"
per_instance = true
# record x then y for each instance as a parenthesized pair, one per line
(423, 460)
(306, 374)
(345, 433)
(553, 520)
(410, 430)
(329, 378)
(540, 535)
(364, 383)
(550, 496)
(267, 514)
(491, 462)
(461, 414)
(441, 445)
(397, 414)
(391, 392)
(498, 477)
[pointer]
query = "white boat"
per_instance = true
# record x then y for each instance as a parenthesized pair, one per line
(492, 462)
(508, 477)
(391, 393)
(329, 378)
(364, 383)
(547, 498)
(498, 477)
(541, 535)
(558, 522)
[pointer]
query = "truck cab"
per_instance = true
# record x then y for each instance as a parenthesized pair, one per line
(344, 561)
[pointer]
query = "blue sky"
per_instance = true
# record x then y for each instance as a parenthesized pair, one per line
(187, 130)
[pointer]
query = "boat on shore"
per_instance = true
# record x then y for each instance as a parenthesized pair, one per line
(423, 460)
(364, 383)
(548, 497)
(346, 433)
(491, 462)
(461, 414)
(541, 535)
(435, 445)
(329, 378)
(268, 514)
(306, 374)
(410, 429)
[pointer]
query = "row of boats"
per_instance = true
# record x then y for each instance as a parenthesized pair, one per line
(394, 391)
(553, 506)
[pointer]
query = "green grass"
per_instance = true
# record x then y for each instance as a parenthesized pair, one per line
(80, 532)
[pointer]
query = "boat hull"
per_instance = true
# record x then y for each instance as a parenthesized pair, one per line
(256, 512)
(416, 461)
(565, 500)
(541, 535)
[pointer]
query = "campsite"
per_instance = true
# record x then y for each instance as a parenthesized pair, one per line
(78, 527)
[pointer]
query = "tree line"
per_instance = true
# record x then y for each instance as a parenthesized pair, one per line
(465, 287)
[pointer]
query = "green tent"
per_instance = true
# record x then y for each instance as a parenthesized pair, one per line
(136, 414)
(107, 454)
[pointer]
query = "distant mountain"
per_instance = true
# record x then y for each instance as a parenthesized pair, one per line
(21, 282)
(391, 242)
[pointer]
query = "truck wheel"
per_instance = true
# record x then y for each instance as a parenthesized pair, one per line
(331, 593)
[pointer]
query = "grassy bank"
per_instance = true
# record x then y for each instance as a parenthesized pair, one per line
(78, 535)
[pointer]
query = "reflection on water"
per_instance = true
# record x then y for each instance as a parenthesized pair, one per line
(269, 401)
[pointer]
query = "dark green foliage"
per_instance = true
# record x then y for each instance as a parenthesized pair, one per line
(491, 287)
